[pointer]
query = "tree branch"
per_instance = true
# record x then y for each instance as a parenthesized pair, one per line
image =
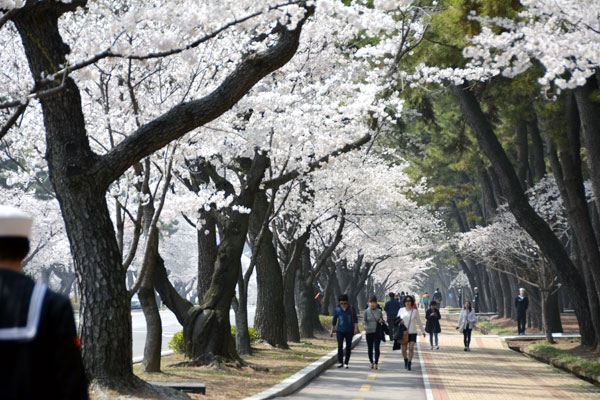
(283, 179)
(327, 252)
(185, 117)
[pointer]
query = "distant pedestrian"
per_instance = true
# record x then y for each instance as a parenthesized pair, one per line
(39, 347)
(391, 308)
(476, 299)
(401, 298)
(521, 303)
(373, 321)
(437, 296)
(466, 324)
(432, 326)
(411, 319)
(345, 324)
(425, 300)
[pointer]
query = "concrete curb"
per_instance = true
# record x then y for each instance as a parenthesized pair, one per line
(139, 359)
(300, 378)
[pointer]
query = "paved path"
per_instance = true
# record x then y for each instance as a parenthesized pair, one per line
(361, 382)
(490, 371)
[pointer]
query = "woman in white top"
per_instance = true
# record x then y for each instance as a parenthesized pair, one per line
(466, 323)
(411, 319)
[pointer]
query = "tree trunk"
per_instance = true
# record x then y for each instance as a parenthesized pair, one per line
(506, 295)
(522, 154)
(553, 319)
(207, 252)
(153, 343)
(537, 150)
(105, 321)
(498, 294)
(207, 331)
(589, 114)
(305, 298)
(527, 218)
(240, 306)
(289, 279)
(546, 311)
(269, 319)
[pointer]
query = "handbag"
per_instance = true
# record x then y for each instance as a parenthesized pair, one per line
(381, 329)
(404, 339)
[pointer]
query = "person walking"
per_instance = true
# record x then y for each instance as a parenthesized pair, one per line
(425, 299)
(521, 303)
(39, 346)
(476, 299)
(466, 323)
(432, 326)
(411, 319)
(400, 298)
(345, 325)
(373, 321)
(437, 296)
(391, 308)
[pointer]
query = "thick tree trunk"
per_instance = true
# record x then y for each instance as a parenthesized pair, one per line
(269, 319)
(498, 294)
(105, 320)
(527, 218)
(207, 331)
(553, 317)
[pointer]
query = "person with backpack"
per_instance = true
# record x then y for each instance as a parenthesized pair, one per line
(425, 299)
(373, 323)
(437, 296)
(391, 308)
(411, 319)
(466, 324)
(432, 326)
(345, 325)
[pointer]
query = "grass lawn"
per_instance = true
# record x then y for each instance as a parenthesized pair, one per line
(234, 383)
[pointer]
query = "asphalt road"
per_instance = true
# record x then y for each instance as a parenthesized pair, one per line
(170, 327)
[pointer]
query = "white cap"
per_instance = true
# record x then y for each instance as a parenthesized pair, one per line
(14, 222)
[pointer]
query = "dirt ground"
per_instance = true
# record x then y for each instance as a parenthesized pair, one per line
(569, 323)
(234, 383)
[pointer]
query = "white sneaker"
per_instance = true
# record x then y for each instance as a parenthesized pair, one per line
(431, 348)
(437, 347)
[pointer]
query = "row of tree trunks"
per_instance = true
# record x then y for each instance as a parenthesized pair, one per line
(549, 244)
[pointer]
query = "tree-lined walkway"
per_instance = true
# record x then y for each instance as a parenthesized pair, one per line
(489, 372)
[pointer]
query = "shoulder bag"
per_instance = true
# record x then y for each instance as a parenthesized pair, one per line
(404, 339)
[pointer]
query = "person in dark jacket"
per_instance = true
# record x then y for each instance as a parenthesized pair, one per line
(437, 296)
(391, 308)
(476, 300)
(39, 347)
(432, 326)
(345, 324)
(521, 303)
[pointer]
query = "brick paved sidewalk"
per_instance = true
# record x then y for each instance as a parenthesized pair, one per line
(492, 372)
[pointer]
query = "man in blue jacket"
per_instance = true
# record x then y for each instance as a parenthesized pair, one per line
(345, 324)
(391, 308)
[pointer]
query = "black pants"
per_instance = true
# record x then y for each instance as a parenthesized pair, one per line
(340, 339)
(522, 322)
(373, 340)
(467, 335)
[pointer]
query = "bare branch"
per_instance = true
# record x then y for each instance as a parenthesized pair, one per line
(283, 179)
(12, 120)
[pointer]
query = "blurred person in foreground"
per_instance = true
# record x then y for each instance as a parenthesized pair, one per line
(39, 346)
